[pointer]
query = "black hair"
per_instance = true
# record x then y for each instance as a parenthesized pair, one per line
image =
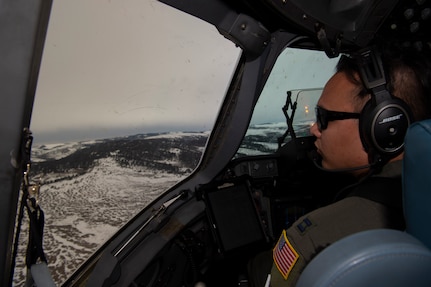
(408, 76)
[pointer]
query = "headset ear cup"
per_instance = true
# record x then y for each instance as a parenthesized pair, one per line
(384, 126)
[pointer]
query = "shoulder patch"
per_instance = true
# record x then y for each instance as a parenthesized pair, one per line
(302, 226)
(284, 255)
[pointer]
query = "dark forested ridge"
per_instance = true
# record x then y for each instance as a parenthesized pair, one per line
(155, 151)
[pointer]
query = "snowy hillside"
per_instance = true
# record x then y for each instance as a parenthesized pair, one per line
(89, 190)
(263, 138)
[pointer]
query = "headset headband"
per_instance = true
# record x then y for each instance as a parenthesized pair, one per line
(373, 74)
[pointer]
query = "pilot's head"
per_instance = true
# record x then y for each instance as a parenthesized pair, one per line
(339, 127)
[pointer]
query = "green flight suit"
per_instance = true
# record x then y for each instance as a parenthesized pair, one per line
(375, 203)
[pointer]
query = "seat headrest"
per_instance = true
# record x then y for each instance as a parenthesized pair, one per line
(372, 258)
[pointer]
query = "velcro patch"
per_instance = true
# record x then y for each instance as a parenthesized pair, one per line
(302, 226)
(284, 255)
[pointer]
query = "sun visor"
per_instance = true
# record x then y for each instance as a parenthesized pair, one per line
(350, 16)
(336, 22)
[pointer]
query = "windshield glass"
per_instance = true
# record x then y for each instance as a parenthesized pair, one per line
(127, 95)
(291, 93)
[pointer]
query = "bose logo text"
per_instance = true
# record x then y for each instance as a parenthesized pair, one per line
(391, 119)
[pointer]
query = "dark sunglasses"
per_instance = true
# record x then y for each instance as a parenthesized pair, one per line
(324, 116)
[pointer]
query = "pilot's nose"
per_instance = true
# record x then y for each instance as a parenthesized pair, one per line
(314, 130)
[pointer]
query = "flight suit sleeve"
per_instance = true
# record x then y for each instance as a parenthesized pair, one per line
(315, 231)
(286, 272)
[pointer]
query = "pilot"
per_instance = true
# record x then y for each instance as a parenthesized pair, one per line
(342, 130)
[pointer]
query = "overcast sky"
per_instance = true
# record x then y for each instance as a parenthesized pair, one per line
(125, 67)
(114, 68)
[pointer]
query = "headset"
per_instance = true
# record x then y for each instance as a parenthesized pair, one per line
(384, 119)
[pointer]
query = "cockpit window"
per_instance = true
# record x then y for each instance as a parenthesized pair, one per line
(290, 94)
(127, 95)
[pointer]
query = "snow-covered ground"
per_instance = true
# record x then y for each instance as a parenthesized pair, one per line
(83, 211)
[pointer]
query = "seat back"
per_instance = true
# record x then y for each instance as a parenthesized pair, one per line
(384, 257)
(417, 181)
(372, 258)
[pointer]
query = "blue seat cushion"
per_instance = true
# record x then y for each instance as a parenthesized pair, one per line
(417, 181)
(372, 258)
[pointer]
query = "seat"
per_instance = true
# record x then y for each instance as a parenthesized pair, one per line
(417, 181)
(384, 257)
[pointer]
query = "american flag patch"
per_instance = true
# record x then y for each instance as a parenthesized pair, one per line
(284, 255)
